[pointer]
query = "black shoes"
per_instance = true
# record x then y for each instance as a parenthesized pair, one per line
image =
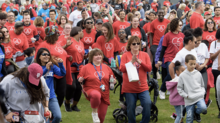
(197, 117)
(67, 107)
(75, 108)
(209, 103)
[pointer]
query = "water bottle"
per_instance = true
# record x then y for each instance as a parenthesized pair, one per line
(113, 64)
(112, 86)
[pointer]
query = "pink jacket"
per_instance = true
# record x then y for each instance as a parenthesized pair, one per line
(174, 98)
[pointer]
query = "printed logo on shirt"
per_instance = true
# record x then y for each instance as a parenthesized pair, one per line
(100, 73)
(108, 46)
(8, 50)
(161, 28)
(123, 49)
(88, 40)
(176, 42)
(11, 28)
(79, 48)
(122, 26)
(2, 56)
(135, 33)
(17, 41)
(39, 32)
(49, 74)
(217, 22)
(59, 49)
(210, 38)
(61, 33)
(27, 31)
(79, 16)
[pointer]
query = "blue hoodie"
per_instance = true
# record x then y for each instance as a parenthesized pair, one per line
(48, 75)
(46, 12)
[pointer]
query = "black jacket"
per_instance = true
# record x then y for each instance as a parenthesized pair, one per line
(143, 35)
(4, 71)
(142, 23)
(186, 27)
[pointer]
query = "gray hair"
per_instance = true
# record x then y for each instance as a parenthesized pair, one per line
(18, 24)
(198, 4)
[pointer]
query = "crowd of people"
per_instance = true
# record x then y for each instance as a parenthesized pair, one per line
(53, 51)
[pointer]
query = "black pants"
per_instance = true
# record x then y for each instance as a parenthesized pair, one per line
(10, 69)
(153, 50)
(75, 90)
(60, 89)
(164, 73)
(215, 74)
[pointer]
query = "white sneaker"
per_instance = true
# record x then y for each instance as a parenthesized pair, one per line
(168, 93)
(162, 95)
(158, 75)
(95, 118)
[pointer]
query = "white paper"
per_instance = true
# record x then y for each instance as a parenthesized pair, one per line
(132, 72)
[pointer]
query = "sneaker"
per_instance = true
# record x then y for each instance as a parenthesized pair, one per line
(197, 117)
(158, 75)
(67, 107)
(75, 108)
(162, 95)
(168, 93)
(173, 116)
(95, 118)
(209, 103)
(205, 112)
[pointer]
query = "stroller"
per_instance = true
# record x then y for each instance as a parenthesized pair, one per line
(120, 114)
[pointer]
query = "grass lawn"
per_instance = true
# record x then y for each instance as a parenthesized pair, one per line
(164, 107)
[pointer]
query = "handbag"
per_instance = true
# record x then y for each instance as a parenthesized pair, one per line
(132, 72)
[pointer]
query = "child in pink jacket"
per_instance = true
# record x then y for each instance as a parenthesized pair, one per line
(175, 99)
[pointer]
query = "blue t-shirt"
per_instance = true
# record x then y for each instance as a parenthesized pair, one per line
(2, 57)
(48, 75)
(46, 12)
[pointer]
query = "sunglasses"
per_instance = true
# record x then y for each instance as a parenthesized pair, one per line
(89, 22)
(121, 33)
(5, 31)
(180, 25)
(45, 54)
(136, 44)
(209, 22)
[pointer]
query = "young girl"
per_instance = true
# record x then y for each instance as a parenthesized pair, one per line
(175, 99)
(50, 67)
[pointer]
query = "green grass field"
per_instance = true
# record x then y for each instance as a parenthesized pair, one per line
(164, 107)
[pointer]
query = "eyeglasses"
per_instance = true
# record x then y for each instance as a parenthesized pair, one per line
(45, 54)
(209, 22)
(136, 44)
(5, 31)
(89, 22)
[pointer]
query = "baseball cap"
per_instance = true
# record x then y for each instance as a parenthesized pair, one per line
(35, 73)
(99, 21)
(140, 4)
(117, 7)
(207, 13)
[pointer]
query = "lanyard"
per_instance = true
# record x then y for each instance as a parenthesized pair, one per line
(136, 64)
(99, 75)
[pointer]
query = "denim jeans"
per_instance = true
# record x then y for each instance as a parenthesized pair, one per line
(55, 109)
(179, 113)
(190, 109)
(167, 78)
(131, 99)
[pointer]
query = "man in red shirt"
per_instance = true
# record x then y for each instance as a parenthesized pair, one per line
(122, 24)
(30, 31)
(217, 15)
(52, 20)
(196, 19)
(11, 21)
(157, 30)
(3, 18)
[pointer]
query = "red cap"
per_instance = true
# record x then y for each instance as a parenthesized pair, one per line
(11, 4)
(207, 13)
(35, 72)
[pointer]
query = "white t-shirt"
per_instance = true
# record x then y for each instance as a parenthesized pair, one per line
(214, 49)
(75, 17)
(202, 53)
(180, 56)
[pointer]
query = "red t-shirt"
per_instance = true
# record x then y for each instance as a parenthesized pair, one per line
(60, 30)
(56, 51)
(154, 6)
(50, 23)
(209, 36)
(88, 39)
(136, 32)
(146, 28)
(172, 42)
(166, 3)
(76, 50)
(9, 51)
(42, 35)
(89, 73)
(143, 68)
(196, 20)
(20, 43)
(30, 32)
(10, 26)
(4, 6)
(122, 47)
(158, 29)
(186, 9)
(28, 6)
(108, 48)
(217, 20)
(119, 25)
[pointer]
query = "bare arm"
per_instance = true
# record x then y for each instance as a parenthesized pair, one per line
(214, 55)
(110, 18)
(71, 22)
(171, 70)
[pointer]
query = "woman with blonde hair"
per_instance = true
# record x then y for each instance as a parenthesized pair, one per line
(172, 15)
